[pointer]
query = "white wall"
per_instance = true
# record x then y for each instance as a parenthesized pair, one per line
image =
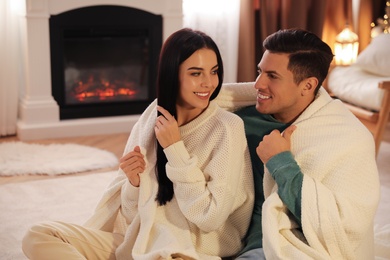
(220, 20)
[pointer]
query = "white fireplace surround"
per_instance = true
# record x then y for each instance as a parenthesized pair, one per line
(39, 116)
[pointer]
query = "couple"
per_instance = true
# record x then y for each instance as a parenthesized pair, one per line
(186, 189)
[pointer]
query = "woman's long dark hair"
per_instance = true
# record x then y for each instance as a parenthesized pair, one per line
(176, 49)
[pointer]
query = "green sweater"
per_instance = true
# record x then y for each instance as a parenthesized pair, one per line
(282, 167)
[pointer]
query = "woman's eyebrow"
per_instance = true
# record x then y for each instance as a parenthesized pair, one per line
(195, 68)
(199, 68)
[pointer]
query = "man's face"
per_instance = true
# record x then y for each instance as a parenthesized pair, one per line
(277, 94)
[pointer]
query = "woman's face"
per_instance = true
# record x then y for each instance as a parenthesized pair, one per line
(198, 79)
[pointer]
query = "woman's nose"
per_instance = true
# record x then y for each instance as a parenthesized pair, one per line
(207, 81)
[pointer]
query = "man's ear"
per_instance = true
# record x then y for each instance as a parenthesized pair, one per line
(310, 84)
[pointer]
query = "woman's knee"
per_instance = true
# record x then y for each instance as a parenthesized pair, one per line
(37, 234)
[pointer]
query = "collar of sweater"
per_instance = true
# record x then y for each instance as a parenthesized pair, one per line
(199, 120)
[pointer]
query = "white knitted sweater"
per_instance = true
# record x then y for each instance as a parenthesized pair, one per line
(340, 191)
(213, 185)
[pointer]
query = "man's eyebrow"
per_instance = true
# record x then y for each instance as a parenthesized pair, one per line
(270, 72)
(198, 68)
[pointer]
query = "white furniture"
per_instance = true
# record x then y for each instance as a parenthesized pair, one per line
(365, 86)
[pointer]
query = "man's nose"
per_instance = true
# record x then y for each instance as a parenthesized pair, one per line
(260, 82)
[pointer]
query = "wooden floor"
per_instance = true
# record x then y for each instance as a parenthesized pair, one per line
(114, 143)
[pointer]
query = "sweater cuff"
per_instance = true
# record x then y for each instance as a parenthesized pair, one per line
(279, 161)
(131, 191)
(177, 154)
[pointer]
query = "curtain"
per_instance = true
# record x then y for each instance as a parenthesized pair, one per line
(220, 20)
(358, 15)
(362, 17)
(273, 15)
(247, 62)
(284, 14)
(326, 18)
(9, 69)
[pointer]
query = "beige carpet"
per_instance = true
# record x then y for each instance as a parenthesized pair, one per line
(69, 198)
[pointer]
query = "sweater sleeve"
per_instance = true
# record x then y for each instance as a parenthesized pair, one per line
(287, 174)
(207, 197)
(129, 200)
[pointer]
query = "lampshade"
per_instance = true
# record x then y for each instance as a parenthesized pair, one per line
(346, 47)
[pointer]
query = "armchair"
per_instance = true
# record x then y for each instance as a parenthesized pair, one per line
(364, 87)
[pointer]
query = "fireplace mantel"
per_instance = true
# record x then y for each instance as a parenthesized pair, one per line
(38, 111)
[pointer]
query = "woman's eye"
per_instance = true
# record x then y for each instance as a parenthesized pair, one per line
(214, 72)
(195, 73)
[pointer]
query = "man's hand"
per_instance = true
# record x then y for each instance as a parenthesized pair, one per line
(133, 164)
(166, 129)
(274, 143)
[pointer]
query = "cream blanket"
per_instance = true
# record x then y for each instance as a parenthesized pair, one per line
(213, 200)
(340, 191)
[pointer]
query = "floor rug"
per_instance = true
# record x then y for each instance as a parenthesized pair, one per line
(69, 198)
(19, 158)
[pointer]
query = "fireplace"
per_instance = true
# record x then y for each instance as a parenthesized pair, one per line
(102, 62)
(43, 112)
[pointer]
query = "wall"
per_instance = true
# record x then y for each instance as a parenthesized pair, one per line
(38, 111)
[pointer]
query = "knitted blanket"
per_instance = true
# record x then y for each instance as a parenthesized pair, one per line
(110, 213)
(211, 208)
(340, 191)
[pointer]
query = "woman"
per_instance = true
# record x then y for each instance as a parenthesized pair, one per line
(184, 189)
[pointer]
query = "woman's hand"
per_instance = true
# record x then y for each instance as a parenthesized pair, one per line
(166, 128)
(133, 164)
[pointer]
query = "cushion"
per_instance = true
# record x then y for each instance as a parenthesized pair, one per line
(375, 58)
(356, 86)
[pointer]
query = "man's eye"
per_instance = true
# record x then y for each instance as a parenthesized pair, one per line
(271, 76)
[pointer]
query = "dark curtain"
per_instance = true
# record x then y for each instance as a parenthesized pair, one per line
(378, 8)
(269, 16)
(326, 18)
(284, 14)
(247, 60)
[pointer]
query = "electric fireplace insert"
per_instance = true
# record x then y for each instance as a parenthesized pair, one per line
(104, 60)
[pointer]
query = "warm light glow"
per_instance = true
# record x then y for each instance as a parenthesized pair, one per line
(376, 30)
(346, 47)
(100, 89)
(18, 7)
(207, 7)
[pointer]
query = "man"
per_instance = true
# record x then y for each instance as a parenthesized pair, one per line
(321, 185)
